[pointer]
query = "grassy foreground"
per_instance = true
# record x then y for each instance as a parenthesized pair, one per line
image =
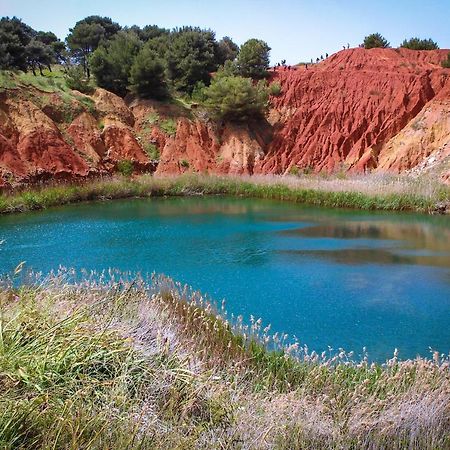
(104, 361)
(369, 193)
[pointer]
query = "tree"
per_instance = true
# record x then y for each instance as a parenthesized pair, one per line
(375, 40)
(111, 62)
(190, 57)
(147, 77)
(38, 54)
(58, 47)
(236, 98)
(15, 35)
(110, 27)
(86, 36)
(253, 59)
(419, 44)
(226, 50)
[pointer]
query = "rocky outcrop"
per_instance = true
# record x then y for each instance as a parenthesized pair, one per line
(359, 110)
(339, 114)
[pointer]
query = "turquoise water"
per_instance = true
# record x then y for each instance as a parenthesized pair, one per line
(331, 277)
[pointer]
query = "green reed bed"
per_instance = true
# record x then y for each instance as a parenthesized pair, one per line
(378, 198)
(99, 361)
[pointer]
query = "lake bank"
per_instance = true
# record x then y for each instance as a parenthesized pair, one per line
(134, 366)
(367, 193)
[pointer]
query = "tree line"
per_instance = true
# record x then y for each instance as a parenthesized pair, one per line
(376, 40)
(157, 63)
(149, 61)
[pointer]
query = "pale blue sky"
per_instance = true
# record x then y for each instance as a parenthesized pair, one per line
(297, 30)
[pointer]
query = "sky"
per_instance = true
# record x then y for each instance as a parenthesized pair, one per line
(296, 30)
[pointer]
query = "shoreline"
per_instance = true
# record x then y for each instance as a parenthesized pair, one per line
(363, 193)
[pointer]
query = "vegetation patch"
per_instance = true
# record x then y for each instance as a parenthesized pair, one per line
(390, 194)
(111, 361)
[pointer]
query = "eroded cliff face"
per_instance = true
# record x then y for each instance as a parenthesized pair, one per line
(360, 110)
(340, 114)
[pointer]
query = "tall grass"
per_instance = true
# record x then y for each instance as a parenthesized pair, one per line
(113, 361)
(376, 195)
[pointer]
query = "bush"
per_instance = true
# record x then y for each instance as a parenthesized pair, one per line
(76, 80)
(375, 40)
(419, 44)
(237, 98)
(125, 167)
(184, 164)
(275, 89)
(446, 63)
(169, 126)
(152, 151)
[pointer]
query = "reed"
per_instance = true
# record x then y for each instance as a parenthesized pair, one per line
(110, 360)
(370, 193)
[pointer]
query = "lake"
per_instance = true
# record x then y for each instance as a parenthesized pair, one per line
(334, 278)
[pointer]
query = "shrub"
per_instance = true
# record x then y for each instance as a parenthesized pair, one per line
(125, 167)
(184, 164)
(419, 44)
(237, 98)
(76, 80)
(294, 170)
(152, 151)
(275, 89)
(169, 126)
(446, 63)
(375, 40)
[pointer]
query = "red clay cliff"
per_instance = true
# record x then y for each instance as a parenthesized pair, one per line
(359, 110)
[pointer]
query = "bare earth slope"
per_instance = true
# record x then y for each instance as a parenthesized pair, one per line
(360, 110)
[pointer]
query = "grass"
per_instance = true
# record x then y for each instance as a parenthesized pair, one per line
(169, 126)
(390, 194)
(98, 361)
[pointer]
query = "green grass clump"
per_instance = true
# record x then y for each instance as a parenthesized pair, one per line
(125, 167)
(152, 151)
(169, 126)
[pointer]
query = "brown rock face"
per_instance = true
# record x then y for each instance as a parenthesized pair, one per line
(340, 113)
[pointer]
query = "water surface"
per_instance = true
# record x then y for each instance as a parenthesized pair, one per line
(331, 277)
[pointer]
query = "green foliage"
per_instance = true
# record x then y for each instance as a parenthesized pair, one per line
(147, 74)
(86, 36)
(125, 167)
(446, 63)
(226, 50)
(375, 40)
(15, 35)
(184, 163)
(198, 93)
(294, 171)
(111, 63)
(253, 59)
(190, 57)
(38, 54)
(169, 126)
(76, 80)
(275, 89)
(236, 98)
(152, 151)
(419, 44)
